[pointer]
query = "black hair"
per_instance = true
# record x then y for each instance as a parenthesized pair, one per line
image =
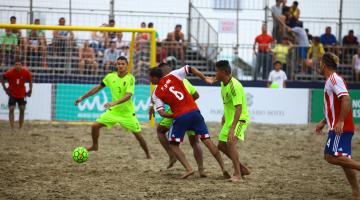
(122, 58)
(330, 60)
(111, 21)
(351, 31)
(296, 3)
(162, 64)
(37, 19)
(316, 39)
(277, 62)
(150, 25)
(285, 9)
(156, 72)
(178, 26)
(223, 65)
(61, 18)
(12, 17)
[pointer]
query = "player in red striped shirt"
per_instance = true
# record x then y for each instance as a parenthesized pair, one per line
(339, 119)
(16, 78)
(171, 90)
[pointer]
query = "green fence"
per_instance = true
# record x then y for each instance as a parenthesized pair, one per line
(317, 105)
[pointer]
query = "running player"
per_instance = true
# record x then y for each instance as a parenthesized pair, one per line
(165, 124)
(338, 117)
(17, 77)
(121, 109)
(235, 119)
(171, 90)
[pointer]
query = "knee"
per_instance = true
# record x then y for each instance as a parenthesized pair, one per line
(11, 109)
(330, 159)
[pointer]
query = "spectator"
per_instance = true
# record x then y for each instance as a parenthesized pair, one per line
(37, 45)
(277, 77)
(9, 42)
(141, 38)
(16, 78)
(263, 58)
(179, 39)
(87, 57)
(119, 41)
(98, 39)
(125, 50)
(276, 12)
(350, 42)
(295, 11)
(151, 25)
(316, 51)
(328, 39)
(310, 37)
(112, 36)
(302, 41)
(281, 52)
(356, 65)
(16, 31)
(22, 50)
(110, 56)
(63, 40)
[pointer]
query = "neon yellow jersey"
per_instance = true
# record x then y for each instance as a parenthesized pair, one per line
(233, 94)
(119, 86)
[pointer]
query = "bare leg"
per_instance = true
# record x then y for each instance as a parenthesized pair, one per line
(161, 131)
(342, 161)
(21, 116)
(95, 132)
(181, 157)
(351, 177)
(11, 116)
(223, 148)
(81, 66)
(143, 144)
(216, 153)
(197, 154)
(234, 155)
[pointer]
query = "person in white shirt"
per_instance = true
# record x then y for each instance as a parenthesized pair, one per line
(110, 56)
(277, 76)
(356, 65)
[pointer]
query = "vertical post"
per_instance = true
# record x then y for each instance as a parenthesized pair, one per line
(152, 64)
(31, 12)
(189, 23)
(112, 6)
(266, 9)
(340, 20)
(132, 49)
(70, 14)
(237, 27)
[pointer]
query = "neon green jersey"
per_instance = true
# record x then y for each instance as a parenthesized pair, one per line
(119, 86)
(233, 94)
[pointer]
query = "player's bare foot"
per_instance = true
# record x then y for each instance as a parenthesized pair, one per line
(148, 156)
(244, 171)
(235, 179)
(356, 194)
(92, 148)
(172, 161)
(202, 173)
(226, 174)
(187, 174)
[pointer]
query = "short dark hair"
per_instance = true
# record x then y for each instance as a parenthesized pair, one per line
(156, 72)
(178, 26)
(351, 31)
(150, 24)
(223, 65)
(277, 62)
(285, 9)
(162, 64)
(37, 19)
(295, 3)
(12, 17)
(330, 60)
(111, 21)
(122, 58)
(61, 18)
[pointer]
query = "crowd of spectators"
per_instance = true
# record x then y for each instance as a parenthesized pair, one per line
(292, 45)
(94, 55)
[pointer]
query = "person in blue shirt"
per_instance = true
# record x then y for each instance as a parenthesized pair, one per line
(328, 38)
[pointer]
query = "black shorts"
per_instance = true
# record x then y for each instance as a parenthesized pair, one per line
(13, 101)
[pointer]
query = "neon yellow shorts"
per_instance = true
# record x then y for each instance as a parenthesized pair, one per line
(239, 131)
(127, 121)
(167, 122)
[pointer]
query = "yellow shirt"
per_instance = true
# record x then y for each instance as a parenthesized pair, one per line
(281, 51)
(316, 51)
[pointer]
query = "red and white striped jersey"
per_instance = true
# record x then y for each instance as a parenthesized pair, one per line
(335, 87)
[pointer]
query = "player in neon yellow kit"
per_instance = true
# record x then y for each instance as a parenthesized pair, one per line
(235, 119)
(121, 109)
(166, 123)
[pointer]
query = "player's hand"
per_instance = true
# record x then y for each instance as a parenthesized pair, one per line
(319, 127)
(231, 136)
(29, 93)
(339, 127)
(151, 112)
(109, 104)
(210, 80)
(222, 120)
(78, 101)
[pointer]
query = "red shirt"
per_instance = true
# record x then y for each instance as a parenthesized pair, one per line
(264, 41)
(335, 87)
(17, 81)
(171, 90)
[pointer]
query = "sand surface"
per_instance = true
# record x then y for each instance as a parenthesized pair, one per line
(286, 163)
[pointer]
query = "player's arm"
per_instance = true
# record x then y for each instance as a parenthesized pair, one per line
(159, 106)
(3, 81)
(91, 92)
(125, 98)
(320, 126)
(195, 96)
(30, 88)
(345, 109)
(235, 121)
(197, 73)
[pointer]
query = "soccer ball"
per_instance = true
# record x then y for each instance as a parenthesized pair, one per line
(80, 154)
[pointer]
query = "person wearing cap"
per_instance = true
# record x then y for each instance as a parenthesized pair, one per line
(277, 76)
